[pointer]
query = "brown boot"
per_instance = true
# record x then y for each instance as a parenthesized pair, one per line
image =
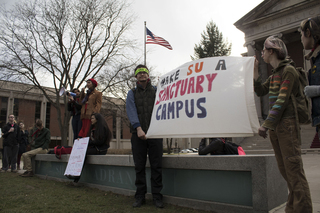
(29, 174)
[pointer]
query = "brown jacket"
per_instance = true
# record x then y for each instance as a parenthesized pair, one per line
(94, 104)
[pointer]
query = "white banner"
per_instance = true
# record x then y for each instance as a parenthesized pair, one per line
(209, 97)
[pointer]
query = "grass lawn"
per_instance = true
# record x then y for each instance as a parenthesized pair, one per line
(32, 194)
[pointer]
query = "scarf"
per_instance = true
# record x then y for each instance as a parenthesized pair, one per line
(86, 97)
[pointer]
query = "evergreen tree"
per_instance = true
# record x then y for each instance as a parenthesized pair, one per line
(211, 44)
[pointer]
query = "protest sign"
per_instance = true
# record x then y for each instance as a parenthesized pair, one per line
(77, 157)
(209, 97)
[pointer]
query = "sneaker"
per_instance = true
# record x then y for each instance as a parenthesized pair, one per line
(14, 171)
(139, 202)
(158, 202)
(28, 174)
(3, 171)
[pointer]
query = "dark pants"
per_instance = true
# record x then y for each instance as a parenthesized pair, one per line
(76, 126)
(10, 156)
(154, 149)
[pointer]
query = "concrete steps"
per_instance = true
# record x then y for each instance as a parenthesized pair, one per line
(258, 145)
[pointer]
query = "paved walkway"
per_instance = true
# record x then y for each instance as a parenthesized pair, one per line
(311, 163)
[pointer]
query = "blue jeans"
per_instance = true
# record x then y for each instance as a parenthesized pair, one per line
(10, 154)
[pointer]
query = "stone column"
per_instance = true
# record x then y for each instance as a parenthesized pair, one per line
(118, 130)
(10, 105)
(43, 110)
(70, 138)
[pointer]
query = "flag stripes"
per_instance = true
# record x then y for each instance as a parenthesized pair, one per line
(153, 39)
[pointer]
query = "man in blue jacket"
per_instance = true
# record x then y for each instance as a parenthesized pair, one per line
(139, 105)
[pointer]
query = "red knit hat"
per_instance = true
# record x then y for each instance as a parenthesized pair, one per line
(95, 83)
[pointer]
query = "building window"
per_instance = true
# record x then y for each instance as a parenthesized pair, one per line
(37, 110)
(3, 112)
(16, 108)
(48, 115)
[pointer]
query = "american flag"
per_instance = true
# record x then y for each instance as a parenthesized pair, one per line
(153, 39)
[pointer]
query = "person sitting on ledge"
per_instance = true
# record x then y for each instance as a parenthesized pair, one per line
(219, 146)
(41, 145)
(100, 135)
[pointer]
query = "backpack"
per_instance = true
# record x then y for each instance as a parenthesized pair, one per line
(301, 103)
(231, 148)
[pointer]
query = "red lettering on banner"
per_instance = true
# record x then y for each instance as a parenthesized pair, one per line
(186, 86)
(171, 92)
(199, 88)
(161, 97)
(210, 78)
(177, 88)
(191, 85)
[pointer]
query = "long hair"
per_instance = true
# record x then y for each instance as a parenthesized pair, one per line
(102, 131)
(313, 24)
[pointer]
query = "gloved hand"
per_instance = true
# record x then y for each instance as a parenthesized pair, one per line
(312, 91)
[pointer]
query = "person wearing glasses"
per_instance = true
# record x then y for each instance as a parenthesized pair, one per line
(310, 38)
(281, 122)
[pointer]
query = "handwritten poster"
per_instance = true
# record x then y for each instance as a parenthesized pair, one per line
(209, 97)
(77, 157)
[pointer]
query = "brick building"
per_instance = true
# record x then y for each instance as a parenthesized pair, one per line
(28, 103)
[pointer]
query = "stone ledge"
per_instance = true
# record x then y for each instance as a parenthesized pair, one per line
(250, 183)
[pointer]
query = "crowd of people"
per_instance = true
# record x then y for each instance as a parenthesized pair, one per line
(281, 124)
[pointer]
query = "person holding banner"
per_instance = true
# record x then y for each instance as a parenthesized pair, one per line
(139, 105)
(282, 86)
(99, 134)
(91, 103)
(310, 38)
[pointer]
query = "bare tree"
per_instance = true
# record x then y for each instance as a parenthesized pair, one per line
(116, 88)
(63, 42)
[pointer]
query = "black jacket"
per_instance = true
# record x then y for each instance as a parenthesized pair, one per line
(11, 138)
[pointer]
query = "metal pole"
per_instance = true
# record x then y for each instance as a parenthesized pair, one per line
(145, 35)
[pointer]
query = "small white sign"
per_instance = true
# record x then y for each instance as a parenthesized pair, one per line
(77, 156)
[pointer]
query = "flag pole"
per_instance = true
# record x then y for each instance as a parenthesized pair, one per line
(145, 35)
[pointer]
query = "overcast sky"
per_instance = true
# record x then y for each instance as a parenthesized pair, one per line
(181, 23)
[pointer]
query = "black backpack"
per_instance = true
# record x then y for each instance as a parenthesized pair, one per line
(231, 148)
